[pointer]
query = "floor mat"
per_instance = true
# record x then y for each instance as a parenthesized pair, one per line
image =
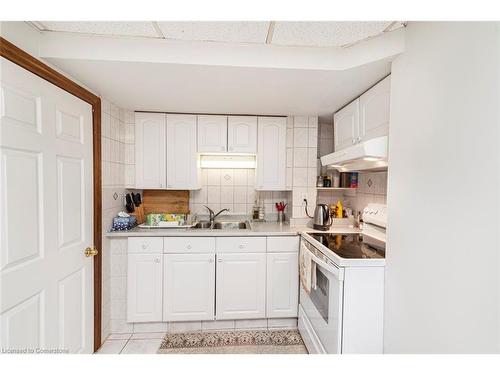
(234, 342)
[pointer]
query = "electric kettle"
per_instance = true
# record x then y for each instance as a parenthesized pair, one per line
(321, 219)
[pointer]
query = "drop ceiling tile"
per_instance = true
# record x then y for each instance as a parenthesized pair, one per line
(144, 29)
(322, 34)
(221, 31)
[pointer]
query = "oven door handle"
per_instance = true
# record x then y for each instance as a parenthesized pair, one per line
(338, 273)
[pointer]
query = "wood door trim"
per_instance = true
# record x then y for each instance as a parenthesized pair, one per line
(35, 66)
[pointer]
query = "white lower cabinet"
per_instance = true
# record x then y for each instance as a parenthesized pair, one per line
(282, 285)
(241, 286)
(188, 287)
(144, 287)
(206, 278)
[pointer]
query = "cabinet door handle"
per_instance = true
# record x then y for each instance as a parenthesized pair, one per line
(210, 260)
(219, 260)
(144, 246)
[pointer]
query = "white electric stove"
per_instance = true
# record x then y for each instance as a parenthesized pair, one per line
(343, 312)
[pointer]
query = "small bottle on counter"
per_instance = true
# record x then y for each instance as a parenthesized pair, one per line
(262, 213)
(357, 219)
(255, 211)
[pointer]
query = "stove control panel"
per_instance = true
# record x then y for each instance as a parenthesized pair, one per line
(375, 213)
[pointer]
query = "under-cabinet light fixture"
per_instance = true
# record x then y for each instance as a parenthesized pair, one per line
(227, 161)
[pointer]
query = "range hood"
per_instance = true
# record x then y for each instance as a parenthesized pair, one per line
(369, 155)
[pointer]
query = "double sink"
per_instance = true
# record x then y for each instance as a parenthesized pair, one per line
(223, 225)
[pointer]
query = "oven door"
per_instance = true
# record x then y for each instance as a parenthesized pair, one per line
(323, 305)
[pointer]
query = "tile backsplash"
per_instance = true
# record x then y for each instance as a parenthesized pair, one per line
(233, 189)
(325, 138)
(372, 188)
(115, 158)
(302, 141)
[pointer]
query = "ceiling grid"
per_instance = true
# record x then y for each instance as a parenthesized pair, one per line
(309, 34)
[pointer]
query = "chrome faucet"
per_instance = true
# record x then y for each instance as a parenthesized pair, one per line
(213, 215)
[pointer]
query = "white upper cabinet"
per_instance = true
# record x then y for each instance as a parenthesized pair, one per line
(271, 153)
(346, 125)
(182, 160)
(150, 150)
(365, 118)
(212, 133)
(242, 134)
(374, 108)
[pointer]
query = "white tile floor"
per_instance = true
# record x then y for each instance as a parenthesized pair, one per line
(137, 343)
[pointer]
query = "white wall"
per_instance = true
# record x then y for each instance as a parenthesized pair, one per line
(442, 251)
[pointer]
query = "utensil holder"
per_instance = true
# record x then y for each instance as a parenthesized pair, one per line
(281, 217)
(139, 214)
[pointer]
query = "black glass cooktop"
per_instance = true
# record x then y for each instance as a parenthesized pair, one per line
(351, 245)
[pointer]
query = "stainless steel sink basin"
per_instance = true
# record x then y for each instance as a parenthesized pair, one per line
(202, 225)
(223, 225)
(229, 225)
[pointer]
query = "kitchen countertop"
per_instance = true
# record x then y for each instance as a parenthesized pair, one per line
(257, 229)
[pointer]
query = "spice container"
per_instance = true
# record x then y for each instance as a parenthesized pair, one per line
(327, 182)
(319, 181)
(335, 178)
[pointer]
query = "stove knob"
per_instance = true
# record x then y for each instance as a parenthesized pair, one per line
(376, 212)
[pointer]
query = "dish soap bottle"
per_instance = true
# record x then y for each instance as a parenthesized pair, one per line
(339, 210)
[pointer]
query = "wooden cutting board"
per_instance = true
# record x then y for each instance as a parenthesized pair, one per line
(165, 201)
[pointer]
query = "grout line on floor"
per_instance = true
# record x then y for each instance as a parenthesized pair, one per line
(121, 350)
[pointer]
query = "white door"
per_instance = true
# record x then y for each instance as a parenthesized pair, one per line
(374, 108)
(241, 286)
(144, 287)
(271, 153)
(46, 215)
(282, 285)
(212, 133)
(189, 287)
(182, 160)
(150, 150)
(242, 134)
(345, 124)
